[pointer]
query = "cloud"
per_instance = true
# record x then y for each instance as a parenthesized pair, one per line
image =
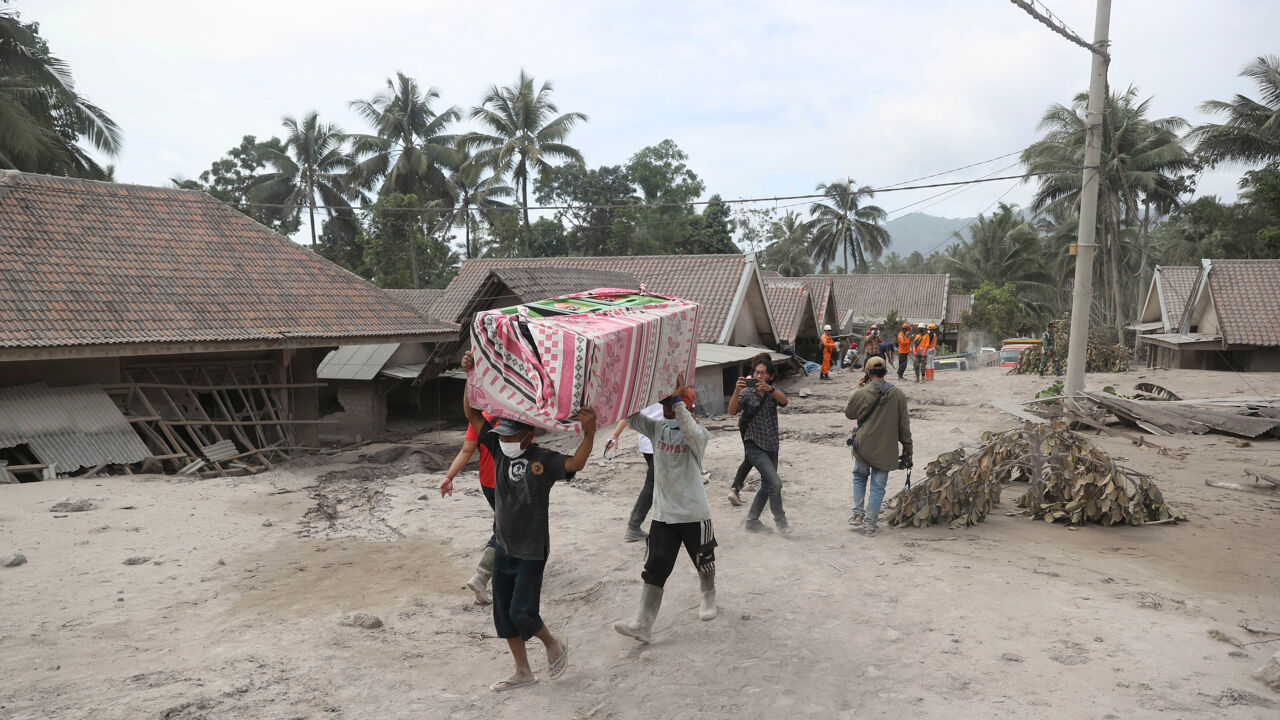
(767, 98)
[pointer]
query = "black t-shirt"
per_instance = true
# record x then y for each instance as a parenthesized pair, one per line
(522, 487)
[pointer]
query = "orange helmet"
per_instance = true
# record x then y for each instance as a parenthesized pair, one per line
(933, 326)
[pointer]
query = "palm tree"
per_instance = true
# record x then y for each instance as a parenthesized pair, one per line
(1251, 133)
(1001, 248)
(789, 252)
(525, 132)
(843, 224)
(42, 117)
(409, 150)
(1140, 157)
(314, 164)
(475, 196)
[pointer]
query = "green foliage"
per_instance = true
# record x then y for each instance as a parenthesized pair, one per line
(999, 310)
(524, 134)
(1209, 228)
(43, 120)
(398, 254)
(600, 229)
(1140, 165)
(712, 234)
(661, 175)
(313, 164)
(788, 249)
(231, 178)
(842, 225)
(1251, 133)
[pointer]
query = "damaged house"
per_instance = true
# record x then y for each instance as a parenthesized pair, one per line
(157, 327)
(1229, 320)
(735, 322)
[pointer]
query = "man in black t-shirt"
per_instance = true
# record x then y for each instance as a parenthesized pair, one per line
(523, 474)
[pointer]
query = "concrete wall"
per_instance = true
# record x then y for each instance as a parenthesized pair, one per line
(364, 408)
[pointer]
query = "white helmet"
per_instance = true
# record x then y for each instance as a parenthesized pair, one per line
(826, 328)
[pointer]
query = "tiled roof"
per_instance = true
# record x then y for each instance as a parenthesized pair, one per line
(529, 284)
(424, 301)
(710, 280)
(957, 306)
(1246, 294)
(917, 298)
(788, 301)
(91, 263)
(1177, 284)
(820, 295)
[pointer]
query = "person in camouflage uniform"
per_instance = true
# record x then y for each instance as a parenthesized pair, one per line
(1046, 348)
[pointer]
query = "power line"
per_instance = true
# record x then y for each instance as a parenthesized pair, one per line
(632, 206)
(1054, 23)
(948, 172)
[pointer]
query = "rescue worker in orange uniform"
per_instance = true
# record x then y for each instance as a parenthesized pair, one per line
(828, 347)
(904, 350)
(920, 345)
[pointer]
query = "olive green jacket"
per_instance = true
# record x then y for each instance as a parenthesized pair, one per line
(879, 435)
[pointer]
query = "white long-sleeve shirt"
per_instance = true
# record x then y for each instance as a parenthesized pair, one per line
(678, 494)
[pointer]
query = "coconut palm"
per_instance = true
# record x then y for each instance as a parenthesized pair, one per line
(789, 252)
(409, 151)
(844, 224)
(1001, 248)
(524, 133)
(475, 195)
(1140, 160)
(42, 117)
(313, 164)
(1251, 133)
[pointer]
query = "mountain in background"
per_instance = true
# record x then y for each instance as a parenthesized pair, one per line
(923, 233)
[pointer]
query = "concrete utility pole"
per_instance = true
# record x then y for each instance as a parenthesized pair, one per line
(1086, 236)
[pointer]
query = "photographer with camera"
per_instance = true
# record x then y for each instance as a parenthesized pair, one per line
(880, 409)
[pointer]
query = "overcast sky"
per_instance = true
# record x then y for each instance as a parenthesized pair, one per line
(767, 98)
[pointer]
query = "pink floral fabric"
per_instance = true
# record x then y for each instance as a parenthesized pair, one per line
(542, 371)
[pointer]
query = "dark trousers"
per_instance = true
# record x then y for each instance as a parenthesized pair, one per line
(766, 463)
(488, 495)
(740, 477)
(902, 365)
(663, 547)
(645, 501)
(517, 593)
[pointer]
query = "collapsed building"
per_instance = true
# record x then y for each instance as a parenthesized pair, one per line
(160, 328)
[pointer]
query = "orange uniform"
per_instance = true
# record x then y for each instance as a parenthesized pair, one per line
(828, 347)
(904, 343)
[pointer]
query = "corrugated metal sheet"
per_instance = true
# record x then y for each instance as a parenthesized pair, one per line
(355, 362)
(711, 354)
(72, 427)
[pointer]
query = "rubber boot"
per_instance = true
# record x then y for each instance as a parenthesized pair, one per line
(479, 583)
(707, 610)
(641, 629)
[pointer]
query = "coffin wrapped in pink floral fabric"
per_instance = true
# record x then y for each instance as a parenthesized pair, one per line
(619, 350)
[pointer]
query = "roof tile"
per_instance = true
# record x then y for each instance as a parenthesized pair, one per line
(710, 280)
(90, 263)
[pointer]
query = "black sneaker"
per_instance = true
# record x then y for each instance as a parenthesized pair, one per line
(784, 527)
(756, 526)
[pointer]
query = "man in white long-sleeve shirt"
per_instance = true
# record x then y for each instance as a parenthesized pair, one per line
(681, 513)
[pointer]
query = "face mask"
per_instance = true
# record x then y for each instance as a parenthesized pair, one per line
(673, 423)
(511, 449)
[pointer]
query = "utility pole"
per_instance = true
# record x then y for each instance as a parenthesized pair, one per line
(1086, 236)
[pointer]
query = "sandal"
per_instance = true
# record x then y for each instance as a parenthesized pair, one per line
(562, 663)
(504, 685)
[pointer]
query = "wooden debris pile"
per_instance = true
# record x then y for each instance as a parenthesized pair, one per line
(1242, 417)
(1070, 480)
(1099, 357)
